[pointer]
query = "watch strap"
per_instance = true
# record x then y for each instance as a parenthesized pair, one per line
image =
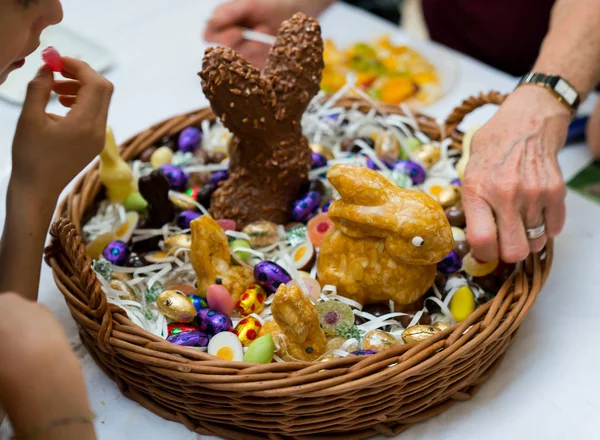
(557, 85)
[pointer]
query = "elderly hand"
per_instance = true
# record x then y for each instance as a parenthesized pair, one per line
(512, 181)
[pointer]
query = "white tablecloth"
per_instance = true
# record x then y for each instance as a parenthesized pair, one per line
(548, 385)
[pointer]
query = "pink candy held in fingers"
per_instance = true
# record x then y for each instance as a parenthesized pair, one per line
(220, 299)
(52, 59)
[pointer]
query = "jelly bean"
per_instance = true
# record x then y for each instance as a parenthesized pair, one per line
(261, 351)
(52, 59)
(238, 246)
(306, 206)
(462, 303)
(162, 156)
(189, 139)
(227, 224)
(412, 143)
(116, 252)
(176, 177)
(477, 268)
(412, 169)
(220, 299)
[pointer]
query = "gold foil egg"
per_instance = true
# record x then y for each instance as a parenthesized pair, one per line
(418, 333)
(441, 326)
(323, 151)
(248, 330)
(378, 340)
(126, 291)
(450, 196)
(262, 233)
(427, 154)
(251, 301)
(178, 241)
(176, 306)
(387, 147)
(183, 202)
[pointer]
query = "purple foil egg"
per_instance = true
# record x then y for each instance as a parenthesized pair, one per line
(456, 182)
(211, 322)
(363, 352)
(199, 302)
(116, 252)
(193, 338)
(318, 161)
(451, 263)
(373, 166)
(270, 275)
(327, 205)
(306, 206)
(189, 139)
(176, 177)
(413, 170)
(217, 177)
(185, 218)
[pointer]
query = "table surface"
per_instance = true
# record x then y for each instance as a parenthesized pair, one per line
(547, 385)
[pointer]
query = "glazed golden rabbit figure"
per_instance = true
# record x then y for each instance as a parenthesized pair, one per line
(386, 240)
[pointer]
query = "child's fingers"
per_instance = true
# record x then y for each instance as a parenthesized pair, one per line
(67, 87)
(67, 100)
(38, 92)
(94, 94)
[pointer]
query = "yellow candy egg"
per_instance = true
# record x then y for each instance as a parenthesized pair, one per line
(462, 303)
(248, 330)
(162, 156)
(226, 346)
(477, 268)
(176, 306)
(378, 340)
(251, 301)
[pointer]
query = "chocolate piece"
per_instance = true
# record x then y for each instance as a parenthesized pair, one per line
(147, 154)
(154, 188)
(269, 157)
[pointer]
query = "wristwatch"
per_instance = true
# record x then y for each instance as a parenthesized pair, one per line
(558, 86)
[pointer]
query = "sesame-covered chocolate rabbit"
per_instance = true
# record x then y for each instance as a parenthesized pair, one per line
(386, 240)
(269, 156)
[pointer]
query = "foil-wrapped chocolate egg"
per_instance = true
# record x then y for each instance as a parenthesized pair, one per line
(178, 241)
(211, 322)
(176, 328)
(306, 206)
(387, 147)
(189, 139)
(176, 177)
(456, 182)
(427, 154)
(413, 170)
(270, 275)
(176, 306)
(322, 150)
(193, 338)
(252, 300)
(318, 161)
(198, 302)
(116, 252)
(363, 352)
(247, 330)
(327, 205)
(418, 333)
(451, 263)
(124, 289)
(441, 326)
(218, 177)
(378, 340)
(183, 202)
(262, 233)
(185, 218)
(450, 196)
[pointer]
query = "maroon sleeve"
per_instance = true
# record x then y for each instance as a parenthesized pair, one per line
(506, 34)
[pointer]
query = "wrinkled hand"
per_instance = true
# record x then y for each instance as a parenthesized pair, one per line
(513, 181)
(228, 21)
(50, 150)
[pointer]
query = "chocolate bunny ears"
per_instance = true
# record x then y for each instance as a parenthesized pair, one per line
(269, 156)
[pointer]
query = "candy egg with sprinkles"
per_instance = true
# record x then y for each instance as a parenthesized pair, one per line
(251, 301)
(333, 315)
(247, 330)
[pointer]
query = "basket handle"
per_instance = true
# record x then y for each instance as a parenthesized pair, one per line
(466, 107)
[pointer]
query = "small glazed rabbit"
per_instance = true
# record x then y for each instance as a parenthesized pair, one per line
(386, 240)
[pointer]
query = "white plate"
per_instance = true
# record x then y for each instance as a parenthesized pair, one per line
(67, 43)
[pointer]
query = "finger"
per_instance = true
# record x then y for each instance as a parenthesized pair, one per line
(67, 101)
(94, 95)
(38, 92)
(68, 87)
(514, 245)
(231, 37)
(256, 53)
(482, 233)
(534, 218)
(555, 210)
(233, 13)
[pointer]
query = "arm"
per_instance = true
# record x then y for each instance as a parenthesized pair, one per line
(518, 147)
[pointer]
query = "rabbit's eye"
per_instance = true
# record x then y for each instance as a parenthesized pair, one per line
(418, 241)
(309, 350)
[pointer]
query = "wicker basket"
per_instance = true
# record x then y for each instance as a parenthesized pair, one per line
(348, 398)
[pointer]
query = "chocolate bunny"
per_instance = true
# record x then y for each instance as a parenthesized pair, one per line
(386, 240)
(269, 157)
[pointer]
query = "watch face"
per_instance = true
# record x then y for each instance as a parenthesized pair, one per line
(566, 91)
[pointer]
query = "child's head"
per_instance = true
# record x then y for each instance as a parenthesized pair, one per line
(21, 23)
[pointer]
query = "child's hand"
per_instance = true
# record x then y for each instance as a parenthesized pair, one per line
(50, 150)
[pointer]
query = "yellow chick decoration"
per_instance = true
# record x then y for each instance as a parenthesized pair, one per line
(386, 240)
(211, 259)
(296, 325)
(115, 174)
